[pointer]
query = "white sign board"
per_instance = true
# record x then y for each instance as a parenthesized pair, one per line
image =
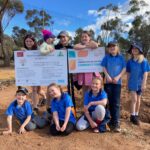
(82, 61)
(33, 69)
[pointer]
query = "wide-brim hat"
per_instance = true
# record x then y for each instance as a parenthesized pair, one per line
(135, 45)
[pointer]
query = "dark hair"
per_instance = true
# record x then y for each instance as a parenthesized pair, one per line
(86, 32)
(30, 36)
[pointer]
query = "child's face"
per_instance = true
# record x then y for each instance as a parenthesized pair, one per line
(135, 51)
(96, 85)
(85, 38)
(50, 40)
(64, 40)
(113, 49)
(54, 92)
(21, 97)
(29, 43)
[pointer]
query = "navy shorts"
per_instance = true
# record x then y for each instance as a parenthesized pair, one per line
(138, 92)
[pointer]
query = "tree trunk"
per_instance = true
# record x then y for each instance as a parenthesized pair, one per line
(4, 52)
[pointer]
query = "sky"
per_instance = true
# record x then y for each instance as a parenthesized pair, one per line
(66, 14)
(71, 14)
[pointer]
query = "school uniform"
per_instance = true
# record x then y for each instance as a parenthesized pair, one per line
(136, 71)
(60, 106)
(114, 66)
(22, 112)
(60, 46)
(94, 110)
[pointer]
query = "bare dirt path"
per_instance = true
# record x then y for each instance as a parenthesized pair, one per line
(131, 137)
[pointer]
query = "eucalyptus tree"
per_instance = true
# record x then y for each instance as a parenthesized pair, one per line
(140, 30)
(8, 9)
(38, 20)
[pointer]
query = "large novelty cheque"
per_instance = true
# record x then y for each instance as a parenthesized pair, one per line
(33, 69)
(82, 61)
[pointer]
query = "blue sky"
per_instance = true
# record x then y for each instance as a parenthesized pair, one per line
(66, 14)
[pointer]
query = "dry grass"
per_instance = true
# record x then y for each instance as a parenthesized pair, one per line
(7, 73)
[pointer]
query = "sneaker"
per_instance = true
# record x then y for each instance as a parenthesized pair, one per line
(117, 129)
(137, 120)
(134, 120)
(96, 130)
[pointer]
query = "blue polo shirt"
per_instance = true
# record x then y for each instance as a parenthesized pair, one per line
(89, 97)
(136, 71)
(60, 106)
(114, 65)
(20, 112)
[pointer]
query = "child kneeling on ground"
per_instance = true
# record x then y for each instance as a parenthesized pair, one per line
(63, 111)
(22, 110)
(95, 101)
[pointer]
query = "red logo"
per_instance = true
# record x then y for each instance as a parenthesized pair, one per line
(19, 54)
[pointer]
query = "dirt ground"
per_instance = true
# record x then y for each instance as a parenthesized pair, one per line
(131, 137)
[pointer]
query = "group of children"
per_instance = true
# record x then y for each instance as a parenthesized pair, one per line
(97, 100)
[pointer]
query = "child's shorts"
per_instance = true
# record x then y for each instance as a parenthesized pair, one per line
(138, 92)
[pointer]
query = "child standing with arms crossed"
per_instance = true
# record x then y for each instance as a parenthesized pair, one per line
(137, 72)
(85, 79)
(114, 67)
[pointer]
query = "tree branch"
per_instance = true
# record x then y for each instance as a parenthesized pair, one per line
(4, 6)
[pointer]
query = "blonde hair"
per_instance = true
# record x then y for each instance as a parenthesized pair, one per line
(53, 85)
(116, 47)
(99, 79)
(140, 58)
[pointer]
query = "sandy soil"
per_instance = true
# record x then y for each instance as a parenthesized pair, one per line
(131, 137)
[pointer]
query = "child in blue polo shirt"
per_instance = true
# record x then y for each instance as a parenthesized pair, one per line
(22, 110)
(114, 67)
(137, 72)
(94, 107)
(62, 110)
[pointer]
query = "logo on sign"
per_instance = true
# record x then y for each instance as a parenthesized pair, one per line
(19, 54)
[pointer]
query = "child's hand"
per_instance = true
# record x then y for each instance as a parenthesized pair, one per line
(57, 127)
(109, 79)
(92, 45)
(63, 128)
(89, 105)
(8, 132)
(116, 79)
(93, 124)
(22, 130)
(51, 49)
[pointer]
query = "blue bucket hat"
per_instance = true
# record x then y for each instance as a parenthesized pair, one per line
(135, 45)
